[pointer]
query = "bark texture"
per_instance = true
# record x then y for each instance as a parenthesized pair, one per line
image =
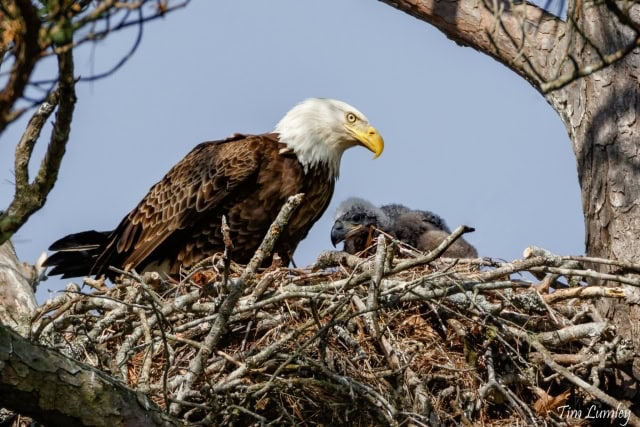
(587, 69)
(17, 300)
(600, 113)
(58, 391)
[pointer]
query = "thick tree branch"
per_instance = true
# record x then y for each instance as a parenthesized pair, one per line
(48, 173)
(33, 378)
(24, 149)
(523, 36)
(519, 36)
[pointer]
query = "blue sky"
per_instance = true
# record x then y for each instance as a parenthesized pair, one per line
(465, 137)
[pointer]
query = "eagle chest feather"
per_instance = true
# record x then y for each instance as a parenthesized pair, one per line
(279, 177)
(318, 189)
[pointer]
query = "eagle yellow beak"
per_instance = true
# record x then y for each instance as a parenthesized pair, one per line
(369, 137)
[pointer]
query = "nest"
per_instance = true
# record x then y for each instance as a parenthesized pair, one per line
(383, 340)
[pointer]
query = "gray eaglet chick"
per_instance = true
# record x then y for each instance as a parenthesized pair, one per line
(425, 231)
(394, 210)
(354, 222)
(400, 210)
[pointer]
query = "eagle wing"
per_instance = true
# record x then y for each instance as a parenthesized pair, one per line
(203, 179)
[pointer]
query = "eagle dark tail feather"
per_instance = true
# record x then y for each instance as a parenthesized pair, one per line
(76, 253)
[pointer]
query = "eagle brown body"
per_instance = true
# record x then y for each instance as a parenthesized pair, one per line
(188, 204)
(246, 178)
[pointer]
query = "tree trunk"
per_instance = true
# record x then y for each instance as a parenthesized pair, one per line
(17, 298)
(600, 113)
(587, 69)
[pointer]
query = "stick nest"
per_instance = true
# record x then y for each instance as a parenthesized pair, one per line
(384, 340)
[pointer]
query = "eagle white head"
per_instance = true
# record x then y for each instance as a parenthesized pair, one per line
(319, 130)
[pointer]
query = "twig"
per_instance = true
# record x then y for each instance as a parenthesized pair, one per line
(270, 239)
(236, 288)
(588, 273)
(626, 265)
(143, 382)
(374, 287)
(228, 248)
(493, 384)
(27, 51)
(385, 408)
(567, 334)
(584, 292)
(594, 391)
(29, 197)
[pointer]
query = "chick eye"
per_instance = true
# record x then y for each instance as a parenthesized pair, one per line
(351, 118)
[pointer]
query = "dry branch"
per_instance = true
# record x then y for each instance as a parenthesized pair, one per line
(29, 197)
(26, 54)
(30, 35)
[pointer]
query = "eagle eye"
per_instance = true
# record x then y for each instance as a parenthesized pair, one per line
(351, 118)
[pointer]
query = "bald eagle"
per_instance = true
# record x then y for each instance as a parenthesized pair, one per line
(356, 220)
(247, 178)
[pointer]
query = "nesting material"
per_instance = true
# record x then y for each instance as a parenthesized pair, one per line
(399, 338)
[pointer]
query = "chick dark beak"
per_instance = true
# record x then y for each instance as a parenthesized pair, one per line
(343, 230)
(338, 233)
